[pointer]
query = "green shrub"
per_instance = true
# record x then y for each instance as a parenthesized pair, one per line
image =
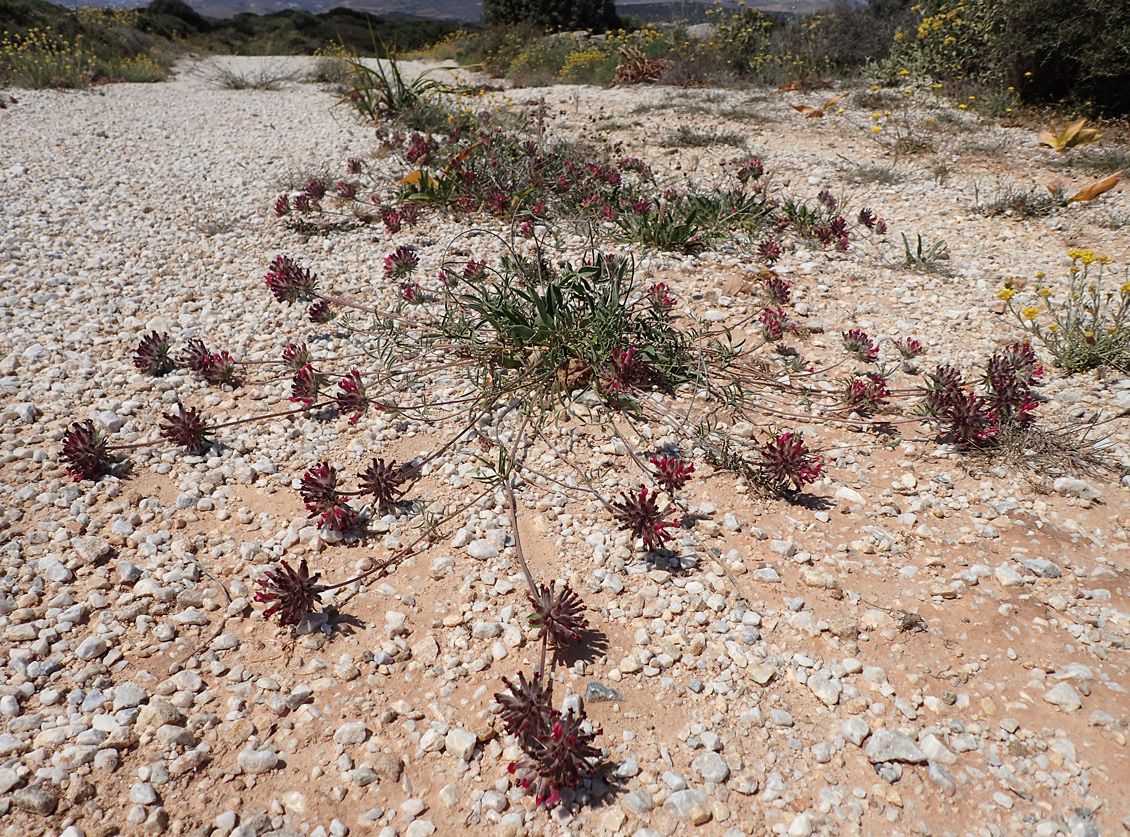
(1048, 50)
(553, 15)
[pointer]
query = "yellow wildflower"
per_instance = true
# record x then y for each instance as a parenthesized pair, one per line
(1008, 293)
(1030, 312)
(1045, 292)
(1125, 288)
(876, 129)
(1103, 259)
(1053, 327)
(1040, 274)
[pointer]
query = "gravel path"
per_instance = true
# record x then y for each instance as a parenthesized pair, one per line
(938, 650)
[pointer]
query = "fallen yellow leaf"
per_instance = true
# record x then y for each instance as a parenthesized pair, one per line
(1093, 190)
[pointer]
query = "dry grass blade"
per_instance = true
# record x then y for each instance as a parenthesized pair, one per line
(637, 68)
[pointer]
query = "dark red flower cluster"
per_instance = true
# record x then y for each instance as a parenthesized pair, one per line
(639, 514)
(290, 593)
(909, 348)
(866, 393)
(86, 451)
(786, 461)
(660, 296)
(860, 346)
(961, 416)
(774, 324)
(323, 500)
(152, 355)
(188, 428)
(352, 398)
(671, 472)
(401, 262)
(382, 482)
(305, 386)
(769, 250)
(558, 614)
(289, 282)
(626, 370)
(558, 745)
(751, 169)
(778, 290)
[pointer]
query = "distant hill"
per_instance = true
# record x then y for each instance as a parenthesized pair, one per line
(286, 32)
(455, 10)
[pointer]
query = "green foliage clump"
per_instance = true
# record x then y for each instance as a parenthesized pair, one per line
(48, 46)
(1048, 50)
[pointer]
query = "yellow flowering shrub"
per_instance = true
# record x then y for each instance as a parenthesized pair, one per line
(1090, 327)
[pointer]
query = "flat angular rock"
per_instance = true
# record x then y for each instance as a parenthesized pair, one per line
(596, 692)
(258, 761)
(891, 745)
(855, 730)
(825, 687)
(353, 732)
(460, 743)
(711, 767)
(35, 799)
(1063, 696)
(692, 805)
(1042, 567)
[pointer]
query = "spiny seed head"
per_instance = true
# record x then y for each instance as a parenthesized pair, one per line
(290, 593)
(346, 190)
(671, 472)
(319, 493)
(219, 368)
(320, 312)
(152, 355)
(558, 614)
(382, 482)
(413, 293)
(401, 262)
(867, 218)
(786, 461)
(828, 199)
(639, 514)
(289, 282)
(860, 346)
(86, 452)
(194, 356)
(188, 428)
(778, 290)
(352, 398)
(527, 707)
